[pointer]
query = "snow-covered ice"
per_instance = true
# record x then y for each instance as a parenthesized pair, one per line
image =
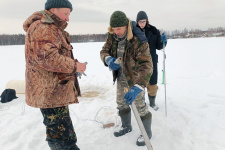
(195, 75)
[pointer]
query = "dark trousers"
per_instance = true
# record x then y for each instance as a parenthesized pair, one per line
(59, 129)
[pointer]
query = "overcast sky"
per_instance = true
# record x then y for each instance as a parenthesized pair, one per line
(92, 16)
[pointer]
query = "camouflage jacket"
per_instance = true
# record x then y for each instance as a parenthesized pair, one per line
(50, 66)
(137, 62)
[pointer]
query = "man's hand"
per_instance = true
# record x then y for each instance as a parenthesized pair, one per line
(110, 62)
(81, 67)
(131, 95)
(163, 38)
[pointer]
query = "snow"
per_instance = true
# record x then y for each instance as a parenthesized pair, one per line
(195, 74)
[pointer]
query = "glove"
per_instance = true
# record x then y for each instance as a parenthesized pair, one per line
(163, 38)
(131, 95)
(110, 62)
(139, 33)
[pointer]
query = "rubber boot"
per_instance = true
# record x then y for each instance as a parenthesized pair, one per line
(62, 145)
(52, 145)
(126, 123)
(152, 102)
(147, 121)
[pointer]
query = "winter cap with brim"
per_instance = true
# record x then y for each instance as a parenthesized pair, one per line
(8, 95)
(58, 4)
(118, 19)
(141, 16)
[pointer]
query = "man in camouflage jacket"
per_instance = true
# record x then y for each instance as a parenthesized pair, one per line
(132, 73)
(51, 82)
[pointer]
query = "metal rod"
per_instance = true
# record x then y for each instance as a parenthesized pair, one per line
(164, 76)
(141, 127)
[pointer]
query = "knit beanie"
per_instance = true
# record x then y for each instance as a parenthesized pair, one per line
(58, 4)
(118, 19)
(141, 15)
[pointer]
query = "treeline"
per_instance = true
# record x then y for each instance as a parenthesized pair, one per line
(196, 33)
(88, 38)
(19, 39)
(15, 39)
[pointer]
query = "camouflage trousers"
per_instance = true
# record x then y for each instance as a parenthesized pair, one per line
(121, 102)
(59, 129)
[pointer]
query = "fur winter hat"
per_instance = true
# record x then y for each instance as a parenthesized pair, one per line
(141, 15)
(118, 19)
(58, 4)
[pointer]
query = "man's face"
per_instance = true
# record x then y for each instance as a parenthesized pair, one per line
(142, 23)
(120, 31)
(62, 13)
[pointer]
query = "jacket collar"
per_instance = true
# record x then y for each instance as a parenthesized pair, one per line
(49, 17)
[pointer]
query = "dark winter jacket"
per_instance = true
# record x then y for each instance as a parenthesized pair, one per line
(154, 41)
(137, 59)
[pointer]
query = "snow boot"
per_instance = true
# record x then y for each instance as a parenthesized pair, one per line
(126, 127)
(52, 145)
(147, 121)
(62, 145)
(152, 102)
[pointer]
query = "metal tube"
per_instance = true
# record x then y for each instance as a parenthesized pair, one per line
(164, 76)
(141, 127)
